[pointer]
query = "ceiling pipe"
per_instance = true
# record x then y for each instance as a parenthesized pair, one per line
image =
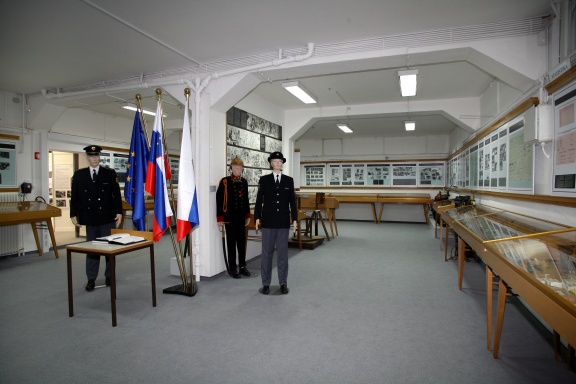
(190, 83)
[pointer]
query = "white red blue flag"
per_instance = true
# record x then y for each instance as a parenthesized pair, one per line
(156, 176)
(187, 216)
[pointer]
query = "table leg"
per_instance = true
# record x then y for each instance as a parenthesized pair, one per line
(335, 221)
(113, 288)
(461, 253)
(499, 317)
(35, 231)
(557, 346)
(426, 213)
(327, 212)
(381, 210)
(324, 226)
(153, 274)
(69, 272)
(51, 230)
(489, 281)
(446, 236)
(373, 205)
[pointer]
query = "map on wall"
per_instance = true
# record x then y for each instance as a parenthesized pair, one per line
(252, 139)
(565, 141)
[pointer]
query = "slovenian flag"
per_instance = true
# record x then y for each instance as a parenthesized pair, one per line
(187, 216)
(156, 178)
(136, 174)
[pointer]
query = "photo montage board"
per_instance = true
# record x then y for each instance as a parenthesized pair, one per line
(565, 141)
(252, 139)
(7, 164)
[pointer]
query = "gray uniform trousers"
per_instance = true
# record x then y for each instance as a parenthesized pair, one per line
(92, 259)
(271, 237)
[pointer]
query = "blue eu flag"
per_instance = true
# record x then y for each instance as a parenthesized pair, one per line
(136, 174)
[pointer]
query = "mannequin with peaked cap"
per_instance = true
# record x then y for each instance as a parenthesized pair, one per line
(233, 211)
(274, 211)
(96, 202)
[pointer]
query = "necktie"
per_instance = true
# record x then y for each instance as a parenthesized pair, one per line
(94, 175)
(277, 181)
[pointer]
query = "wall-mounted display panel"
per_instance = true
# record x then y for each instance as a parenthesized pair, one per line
(7, 164)
(427, 174)
(521, 160)
(252, 139)
(565, 141)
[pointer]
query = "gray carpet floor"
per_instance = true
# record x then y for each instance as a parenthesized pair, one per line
(377, 304)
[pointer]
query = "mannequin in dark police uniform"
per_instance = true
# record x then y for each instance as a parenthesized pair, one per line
(233, 212)
(275, 206)
(96, 202)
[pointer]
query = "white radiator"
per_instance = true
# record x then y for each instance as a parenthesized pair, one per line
(8, 233)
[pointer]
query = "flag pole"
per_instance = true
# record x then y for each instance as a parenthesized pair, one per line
(189, 234)
(181, 265)
(142, 118)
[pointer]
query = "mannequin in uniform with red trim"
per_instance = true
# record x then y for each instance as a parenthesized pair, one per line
(233, 211)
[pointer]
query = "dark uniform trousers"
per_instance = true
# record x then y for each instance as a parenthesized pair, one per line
(236, 238)
(275, 205)
(95, 204)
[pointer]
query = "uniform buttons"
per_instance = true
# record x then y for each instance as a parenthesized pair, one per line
(98, 199)
(277, 202)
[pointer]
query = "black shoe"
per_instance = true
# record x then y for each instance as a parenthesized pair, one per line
(90, 285)
(284, 289)
(265, 290)
(235, 275)
(107, 281)
(244, 271)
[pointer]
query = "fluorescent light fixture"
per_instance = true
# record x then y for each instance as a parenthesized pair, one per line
(145, 111)
(408, 82)
(410, 125)
(345, 128)
(300, 92)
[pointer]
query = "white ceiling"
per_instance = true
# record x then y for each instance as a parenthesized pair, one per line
(63, 44)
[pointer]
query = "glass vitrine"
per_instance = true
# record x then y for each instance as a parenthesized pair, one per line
(550, 258)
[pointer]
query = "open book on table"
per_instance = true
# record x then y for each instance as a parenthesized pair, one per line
(121, 238)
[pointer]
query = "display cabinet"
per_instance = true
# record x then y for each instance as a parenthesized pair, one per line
(536, 259)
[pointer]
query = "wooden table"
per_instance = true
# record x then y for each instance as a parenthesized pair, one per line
(385, 198)
(111, 250)
(32, 212)
(405, 198)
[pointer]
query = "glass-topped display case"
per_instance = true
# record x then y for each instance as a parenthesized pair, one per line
(550, 258)
(543, 249)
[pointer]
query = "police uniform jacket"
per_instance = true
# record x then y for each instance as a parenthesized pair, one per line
(275, 206)
(98, 202)
(232, 205)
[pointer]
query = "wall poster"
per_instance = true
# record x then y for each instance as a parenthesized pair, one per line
(521, 158)
(432, 174)
(359, 170)
(378, 174)
(314, 175)
(481, 164)
(404, 174)
(346, 174)
(486, 163)
(565, 141)
(494, 161)
(252, 139)
(7, 164)
(334, 175)
(502, 167)
(174, 169)
(474, 166)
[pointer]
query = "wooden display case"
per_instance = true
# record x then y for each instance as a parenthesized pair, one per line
(536, 259)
